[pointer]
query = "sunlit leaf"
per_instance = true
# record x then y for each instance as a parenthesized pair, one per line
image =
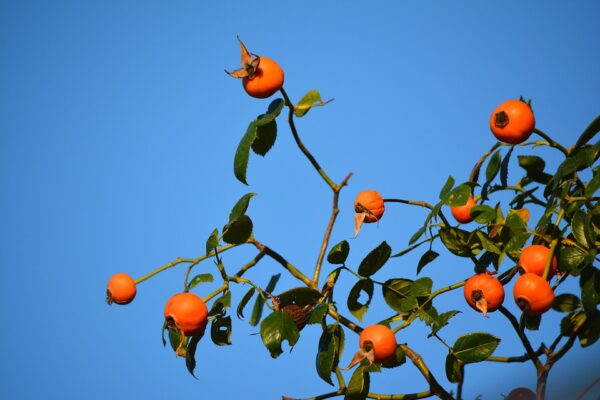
(566, 302)
(475, 347)
(425, 259)
(358, 387)
(276, 328)
(357, 308)
(395, 291)
(200, 278)
(453, 369)
(308, 101)
(212, 241)
(240, 206)
(447, 187)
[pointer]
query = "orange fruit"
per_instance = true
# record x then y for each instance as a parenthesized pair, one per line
(267, 79)
(120, 289)
(512, 122)
(371, 203)
(484, 293)
(463, 213)
(381, 339)
(187, 313)
(533, 259)
(533, 294)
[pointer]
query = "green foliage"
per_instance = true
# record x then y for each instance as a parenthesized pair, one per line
(331, 346)
(475, 347)
(276, 328)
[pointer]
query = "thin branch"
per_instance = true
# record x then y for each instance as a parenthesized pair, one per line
(417, 360)
(474, 176)
(551, 142)
(289, 267)
(420, 204)
(513, 321)
(408, 396)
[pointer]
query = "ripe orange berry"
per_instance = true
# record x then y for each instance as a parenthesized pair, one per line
(533, 294)
(381, 340)
(484, 293)
(371, 203)
(463, 213)
(533, 259)
(120, 289)
(512, 122)
(267, 79)
(187, 313)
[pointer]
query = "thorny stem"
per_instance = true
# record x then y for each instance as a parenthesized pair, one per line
(184, 260)
(303, 148)
(474, 176)
(515, 324)
(551, 142)
(277, 257)
(334, 213)
(420, 204)
(434, 386)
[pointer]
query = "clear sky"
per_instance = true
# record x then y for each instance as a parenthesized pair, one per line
(118, 129)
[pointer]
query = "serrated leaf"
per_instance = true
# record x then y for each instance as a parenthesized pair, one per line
(176, 340)
(241, 206)
(316, 315)
(421, 287)
(515, 244)
(339, 253)
(308, 101)
(475, 347)
(357, 308)
(395, 291)
(212, 241)
(534, 166)
(330, 349)
(447, 187)
(487, 243)
(493, 166)
(483, 214)
(593, 185)
(266, 134)
(242, 154)
(220, 331)
(301, 296)
(589, 132)
(460, 242)
(276, 328)
(190, 355)
(442, 321)
(566, 302)
(244, 302)
(504, 167)
(581, 229)
(238, 231)
(453, 369)
(458, 196)
(358, 387)
(571, 260)
(396, 360)
(590, 331)
(260, 302)
(220, 304)
(590, 288)
(200, 278)
(417, 235)
(425, 259)
(375, 260)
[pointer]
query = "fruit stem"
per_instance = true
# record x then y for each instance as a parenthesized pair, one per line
(303, 148)
(184, 260)
(215, 293)
(551, 142)
(420, 204)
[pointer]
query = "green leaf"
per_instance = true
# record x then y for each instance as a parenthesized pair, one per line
(358, 387)
(375, 260)
(331, 345)
(590, 288)
(417, 235)
(421, 287)
(200, 278)
(308, 101)
(566, 302)
(396, 360)
(244, 302)
(301, 296)
(515, 222)
(316, 315)
(354, 306)
(483, 214)
(571, 260)
(493, 166)
(442, 321)
(238, 231)
(395, 291)
(487, 243)
(212, 241)
(531, 322)
(447, 187)
(190, 355)
(453, 369)
(534, 166)
(176, 339)
(570, 165)
(260, 302)
(515, 244)
(240, 207)
(590, 331)
(460, 242)
(242, 154)
(589, 132)
(276, 328)
(458, 196)
(581, 228)
(266, 134)
(426, 258)
(475, 347)
(220, 331)
(219, 305)
(572, 322)
(593, 185)
(504, 167)
(339, 253)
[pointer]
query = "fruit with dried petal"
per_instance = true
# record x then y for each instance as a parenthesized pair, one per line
(533, 294)
(186, 313)
(484, 293)
(121, 289)
(512, 122)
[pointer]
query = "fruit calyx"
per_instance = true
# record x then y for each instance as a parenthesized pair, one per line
(501, 119)
(480, 301)
(365, 352)
(249, 63)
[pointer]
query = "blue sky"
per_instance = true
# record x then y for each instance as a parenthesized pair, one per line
(118, 128)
